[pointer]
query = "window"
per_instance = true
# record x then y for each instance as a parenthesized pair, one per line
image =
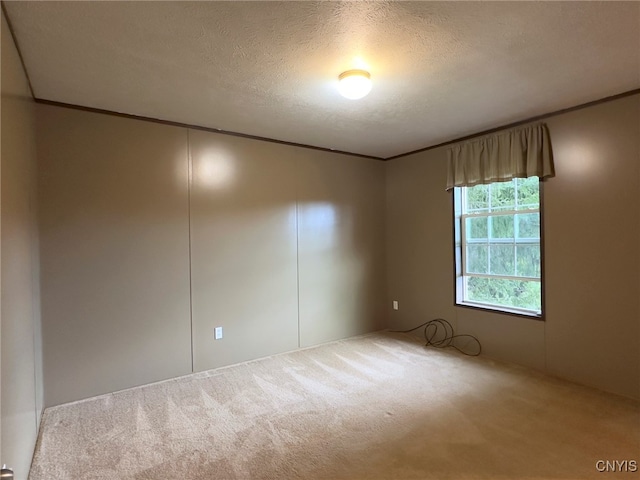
(497, 243)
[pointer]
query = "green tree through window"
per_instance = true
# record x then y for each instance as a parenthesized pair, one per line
(498, 260)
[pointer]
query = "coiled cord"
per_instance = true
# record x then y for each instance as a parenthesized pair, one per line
(431, 329)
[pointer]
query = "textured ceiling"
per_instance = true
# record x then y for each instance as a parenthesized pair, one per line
(441, 70)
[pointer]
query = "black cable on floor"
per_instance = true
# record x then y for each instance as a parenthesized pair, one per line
(431, 329)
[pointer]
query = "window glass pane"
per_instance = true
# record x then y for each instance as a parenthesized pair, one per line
(502, 226)
(478, 198)
(528, 264)
(503, 196)
(477, 227)
(502, 260)
(528, 225)
(528, 193)
(477, 258)
(509, 293)
(498, 243)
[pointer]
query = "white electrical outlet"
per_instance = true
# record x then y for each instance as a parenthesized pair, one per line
(395, 305)
(217, 333)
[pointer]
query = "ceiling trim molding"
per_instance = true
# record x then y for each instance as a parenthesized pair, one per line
(15, 42)
(198, 127)
(341, 152)
(520, 122)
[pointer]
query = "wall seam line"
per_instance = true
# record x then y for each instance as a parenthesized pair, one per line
(189, 181)
(298, 252)
(35, 308)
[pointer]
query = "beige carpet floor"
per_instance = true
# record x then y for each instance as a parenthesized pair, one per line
(380, 406)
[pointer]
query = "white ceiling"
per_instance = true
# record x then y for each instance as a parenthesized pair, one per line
(441, 70)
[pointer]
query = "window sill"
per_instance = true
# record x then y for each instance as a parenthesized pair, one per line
(502, 310)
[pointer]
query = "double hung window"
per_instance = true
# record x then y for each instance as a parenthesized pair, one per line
(497, 243)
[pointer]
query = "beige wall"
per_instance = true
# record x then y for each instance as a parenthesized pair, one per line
(21, 383)
(243, 246)
(593, 259)
(591, 218)
(114, 231)
(341, 246)
(285, 247)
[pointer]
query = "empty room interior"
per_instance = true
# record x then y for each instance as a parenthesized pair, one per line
(320, 240)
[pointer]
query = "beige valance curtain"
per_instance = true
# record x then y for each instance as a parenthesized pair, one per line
(518, 153)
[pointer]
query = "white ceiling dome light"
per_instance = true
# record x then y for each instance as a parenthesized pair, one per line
(354, 84)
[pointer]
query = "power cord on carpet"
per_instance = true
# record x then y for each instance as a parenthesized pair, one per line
(431, 329)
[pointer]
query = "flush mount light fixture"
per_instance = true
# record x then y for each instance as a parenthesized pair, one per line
(354, 84)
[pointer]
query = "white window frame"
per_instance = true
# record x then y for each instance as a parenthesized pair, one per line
(460, 254)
